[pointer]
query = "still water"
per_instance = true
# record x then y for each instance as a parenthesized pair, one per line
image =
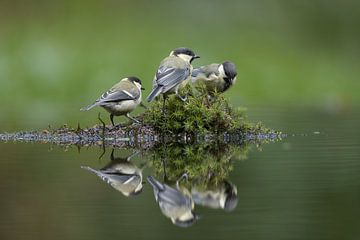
(306, 186)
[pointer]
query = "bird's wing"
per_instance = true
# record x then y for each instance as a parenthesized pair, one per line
(111, 177)
(173, 197)
(115, 95)
(206, 70)
(168, 77)
(196, 72)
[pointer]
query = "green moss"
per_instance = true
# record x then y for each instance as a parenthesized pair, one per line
(197, 115)
(204, 163)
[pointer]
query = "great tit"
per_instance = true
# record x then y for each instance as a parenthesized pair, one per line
(174, 72)
(174, 204)
(121, 99)
(122, 175)
(216, 77)
(221, 196)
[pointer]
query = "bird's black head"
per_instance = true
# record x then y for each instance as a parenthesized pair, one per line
(186, 223)
(134, 79)
(230, 70)
(185, 51)
(135, 193)
(231, 202)
(231, 197)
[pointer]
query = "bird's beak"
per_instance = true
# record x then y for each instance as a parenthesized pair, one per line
(196, 56)
(142, 88)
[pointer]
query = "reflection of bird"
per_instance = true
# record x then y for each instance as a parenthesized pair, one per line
(121, 99)
(216, 77)
(222, 196)
(122, 175)
(173, 203)
(174, 71)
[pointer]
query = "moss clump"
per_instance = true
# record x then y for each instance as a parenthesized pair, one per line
(204, 163)
(197, 115)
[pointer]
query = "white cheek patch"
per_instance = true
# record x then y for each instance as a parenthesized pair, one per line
(138, 85)
(221, 71)
(185, 57)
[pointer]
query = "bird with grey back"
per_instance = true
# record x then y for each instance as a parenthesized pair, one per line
(220, 196)
(173, 73)
(121, 99)
(216, 77)
(121, 174)
(174, 204)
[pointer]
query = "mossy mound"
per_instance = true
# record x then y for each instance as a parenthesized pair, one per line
(199, 118)
(197, 115)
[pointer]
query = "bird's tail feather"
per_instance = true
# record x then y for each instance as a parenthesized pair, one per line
(153, 94)
(104, 177)
(155, 183)
(89, 169)
(89, 107)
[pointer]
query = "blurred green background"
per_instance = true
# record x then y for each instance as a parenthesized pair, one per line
(57, 56)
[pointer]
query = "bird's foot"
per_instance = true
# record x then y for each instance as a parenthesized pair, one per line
(184, 176)
(134, 120)
(143, 105)
(119, 125)
(183, 98)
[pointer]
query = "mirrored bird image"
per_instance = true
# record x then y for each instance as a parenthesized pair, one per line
(121, 99)
(221, 196)
(174, 72)
(174, 204)
(121, 174)
(216, 77)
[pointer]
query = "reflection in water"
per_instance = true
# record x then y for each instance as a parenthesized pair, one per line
(121, 174)
(205, 167)
(175, 203)
(207, 163)
(217, 196)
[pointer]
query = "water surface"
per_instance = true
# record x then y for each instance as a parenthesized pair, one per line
(304, 187)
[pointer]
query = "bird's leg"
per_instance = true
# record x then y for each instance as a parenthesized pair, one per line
(164, 102)
(112, 119)
(143, 105)
(163, 107)
(185, 175)
(131, 118)
(103, 125)
(132, 155)
(112, 158)
(164, 169)
(181, 98)
(103, 148)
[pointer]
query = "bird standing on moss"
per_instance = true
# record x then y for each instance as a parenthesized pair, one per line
(121, 99)
(174, 72)
(216, 77)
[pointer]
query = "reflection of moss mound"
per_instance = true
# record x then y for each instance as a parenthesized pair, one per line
(196, 115)
(204, 163)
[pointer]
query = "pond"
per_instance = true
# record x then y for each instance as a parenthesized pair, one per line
(306, 186)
